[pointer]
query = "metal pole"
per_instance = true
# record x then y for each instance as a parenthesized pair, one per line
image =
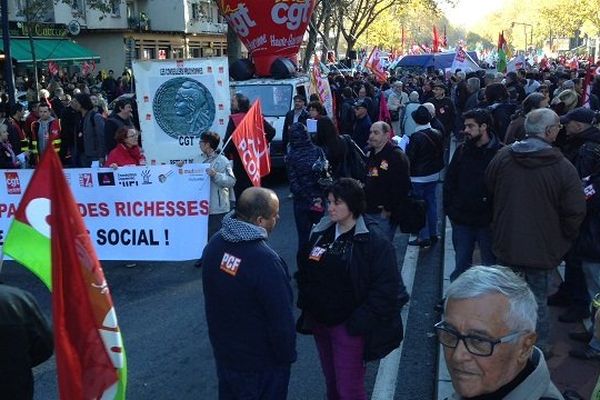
(8, 70)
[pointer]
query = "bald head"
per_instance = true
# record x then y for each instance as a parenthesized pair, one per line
(258, 206)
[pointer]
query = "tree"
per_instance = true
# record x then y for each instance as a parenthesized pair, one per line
(35, 11)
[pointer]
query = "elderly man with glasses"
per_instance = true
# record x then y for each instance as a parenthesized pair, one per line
(488, 334)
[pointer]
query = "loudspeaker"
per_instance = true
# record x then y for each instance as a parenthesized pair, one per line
(283, 68)
(353, 55)
(242, 70)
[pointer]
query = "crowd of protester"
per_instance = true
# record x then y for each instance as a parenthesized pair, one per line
(521, 186)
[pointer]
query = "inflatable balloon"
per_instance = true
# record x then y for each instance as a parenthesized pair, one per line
(268, 28)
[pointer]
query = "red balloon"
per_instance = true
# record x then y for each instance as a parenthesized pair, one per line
(268, 28)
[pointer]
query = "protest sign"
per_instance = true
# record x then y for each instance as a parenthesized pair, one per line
(157, 213)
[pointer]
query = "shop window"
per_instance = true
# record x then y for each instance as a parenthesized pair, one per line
(178, 53)
(163, 54)
(195, 52)
(148, 54)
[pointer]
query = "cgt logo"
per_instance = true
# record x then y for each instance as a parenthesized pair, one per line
(13, 184)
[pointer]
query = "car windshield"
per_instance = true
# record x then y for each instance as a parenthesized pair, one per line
(275, 100)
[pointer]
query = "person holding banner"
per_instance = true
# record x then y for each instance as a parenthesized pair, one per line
(222, 181)
(127, 151)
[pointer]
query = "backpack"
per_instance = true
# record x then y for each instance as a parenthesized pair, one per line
(354, 164)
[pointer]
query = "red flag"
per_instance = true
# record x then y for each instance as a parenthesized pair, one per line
(501, 41)
(251, 144)
(436, 40)
(591, 73)
(52, 68)
(375, 65)
(83, 316)
(445, 39)
(384, 113)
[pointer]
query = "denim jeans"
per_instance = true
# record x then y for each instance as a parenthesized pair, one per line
(387, 227)
(341, 358)
(464, 238)
(270, 384)
(591, 271)
(427, 191)
(537, 279)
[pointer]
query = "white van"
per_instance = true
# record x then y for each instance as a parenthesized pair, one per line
(276, 98)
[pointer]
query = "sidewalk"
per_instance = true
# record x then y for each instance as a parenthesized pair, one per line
(566, 372)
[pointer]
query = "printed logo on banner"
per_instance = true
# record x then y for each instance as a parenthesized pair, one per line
(209, 69)
(146, 177)
(85, 180)
(221, 70)
(127, 179)
(162, 178)
(230, 264)
(13, 184)
(106, 178)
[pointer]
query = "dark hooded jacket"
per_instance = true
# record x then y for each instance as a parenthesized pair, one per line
(248, 299)
(467, 200)
(302, 155)
(538, 204)
(583, 150)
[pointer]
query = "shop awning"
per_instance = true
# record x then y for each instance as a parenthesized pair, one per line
(48, 50)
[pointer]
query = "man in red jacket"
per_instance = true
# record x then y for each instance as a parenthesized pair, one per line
(45, 131)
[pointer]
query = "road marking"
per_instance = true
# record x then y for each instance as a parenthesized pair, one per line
(387, 374)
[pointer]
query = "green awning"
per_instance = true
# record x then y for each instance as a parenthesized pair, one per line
(48, 50)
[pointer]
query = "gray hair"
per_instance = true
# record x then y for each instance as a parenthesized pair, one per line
(474, 84)
(430, 107)
(413, 96)
(537, 121)
(481, 281)
(461, 74)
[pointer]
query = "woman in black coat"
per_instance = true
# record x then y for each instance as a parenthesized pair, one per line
(349, 292)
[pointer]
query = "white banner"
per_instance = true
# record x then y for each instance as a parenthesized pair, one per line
(178, 100)
(157, 213)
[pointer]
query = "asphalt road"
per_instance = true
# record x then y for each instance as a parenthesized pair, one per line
(161, 314)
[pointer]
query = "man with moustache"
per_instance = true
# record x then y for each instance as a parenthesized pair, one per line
(467, 201)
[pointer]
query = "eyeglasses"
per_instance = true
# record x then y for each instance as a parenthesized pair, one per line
(476, 345)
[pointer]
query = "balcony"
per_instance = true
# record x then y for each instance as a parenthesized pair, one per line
(140, 23)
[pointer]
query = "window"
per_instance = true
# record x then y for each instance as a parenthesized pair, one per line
(19, 6)
(275, 100)
(202, 11)
(115, 8)
(77, 5)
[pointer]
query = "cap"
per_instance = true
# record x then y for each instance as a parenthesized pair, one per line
(361, 103)
(421, 115)
(580, 114)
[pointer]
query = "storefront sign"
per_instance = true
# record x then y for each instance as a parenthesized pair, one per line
(21, 29)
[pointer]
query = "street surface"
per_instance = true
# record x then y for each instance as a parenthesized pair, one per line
(161, 313)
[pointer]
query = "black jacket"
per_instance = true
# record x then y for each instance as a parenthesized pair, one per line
(467, 200)
(376, 282)
(425, 152)
(583, 150)
(25, 341)
(445, 112)
(502, 115)
(388, 179)
(347, 116)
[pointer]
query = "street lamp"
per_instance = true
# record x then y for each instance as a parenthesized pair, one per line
(525, 25)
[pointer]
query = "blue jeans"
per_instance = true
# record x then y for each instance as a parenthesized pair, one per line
(385, 224)
(271, 384)
(464, 238)
(537, 279)
(427, 191)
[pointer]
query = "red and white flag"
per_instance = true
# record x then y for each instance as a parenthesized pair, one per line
(251, 144)
(53, 68)
(590, 75)
(90, 357)
(375, 65)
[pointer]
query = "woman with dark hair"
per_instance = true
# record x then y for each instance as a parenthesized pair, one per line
(516, 128)
(497, 100)
(327, 137)
(309, 203)
(127, 152)
(348, 291)
(240, 105)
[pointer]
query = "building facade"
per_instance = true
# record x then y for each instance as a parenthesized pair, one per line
(138, 29)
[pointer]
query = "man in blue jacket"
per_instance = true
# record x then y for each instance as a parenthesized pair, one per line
(248, 302)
